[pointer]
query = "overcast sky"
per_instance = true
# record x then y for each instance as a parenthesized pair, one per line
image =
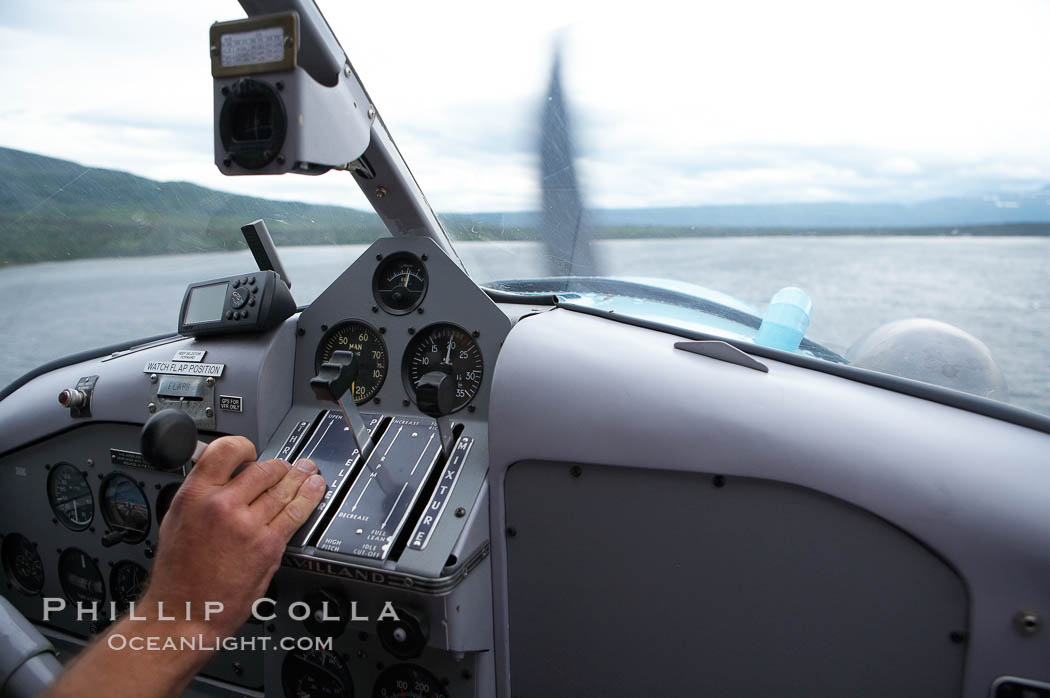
(675, 104)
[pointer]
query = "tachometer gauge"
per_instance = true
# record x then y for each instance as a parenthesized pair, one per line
(400, 283)
(70, 496)
(362, 339)
(126, 583)
(408, 681)
(22, 564)
(315, 674)
(444, 347)
(125, 507)
(80, 577)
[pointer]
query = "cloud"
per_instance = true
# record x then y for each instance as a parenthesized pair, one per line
(679, 105)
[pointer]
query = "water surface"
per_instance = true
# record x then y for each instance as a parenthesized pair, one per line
(997, 289)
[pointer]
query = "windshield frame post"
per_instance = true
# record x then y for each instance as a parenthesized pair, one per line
(382, 173)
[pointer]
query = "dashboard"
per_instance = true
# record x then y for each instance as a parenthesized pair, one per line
(405, 529)
(583, 532)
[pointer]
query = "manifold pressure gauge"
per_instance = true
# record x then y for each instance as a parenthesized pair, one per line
(362, 339)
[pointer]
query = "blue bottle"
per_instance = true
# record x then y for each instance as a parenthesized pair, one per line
(786, 320)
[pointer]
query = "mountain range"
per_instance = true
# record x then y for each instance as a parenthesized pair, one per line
(53, 209)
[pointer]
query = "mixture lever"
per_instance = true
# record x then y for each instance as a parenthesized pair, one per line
(435, 397)
(331, 383)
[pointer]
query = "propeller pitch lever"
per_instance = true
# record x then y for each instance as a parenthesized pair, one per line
(331, 384)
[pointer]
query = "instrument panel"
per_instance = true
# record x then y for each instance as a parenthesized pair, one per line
(88, 530)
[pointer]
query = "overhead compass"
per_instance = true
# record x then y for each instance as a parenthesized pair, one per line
(400, 283)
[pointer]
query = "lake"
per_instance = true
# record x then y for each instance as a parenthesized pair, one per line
(996, 288)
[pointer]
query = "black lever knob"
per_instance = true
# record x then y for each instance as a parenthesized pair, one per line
(335, 376)
(169, 439)
(436, 393)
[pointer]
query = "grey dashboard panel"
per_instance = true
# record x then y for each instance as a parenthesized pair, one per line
(254, 369)
(971, 488)
(731, 586)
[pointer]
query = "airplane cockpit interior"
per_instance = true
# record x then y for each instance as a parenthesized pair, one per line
(533, 489)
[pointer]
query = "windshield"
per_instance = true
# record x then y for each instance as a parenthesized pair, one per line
(111, 203)
(890, 163)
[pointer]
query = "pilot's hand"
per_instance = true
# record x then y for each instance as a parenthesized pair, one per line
(221, 541)
(222, 538)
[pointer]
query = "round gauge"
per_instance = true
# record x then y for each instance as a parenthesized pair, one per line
(447, 348)
(362, 339)
(164, 500)
(400, 283)
(125, 507)
(408, 681)
(127, 581)
(315, 673)
(22, 564)
(80, 577)
(70, 496)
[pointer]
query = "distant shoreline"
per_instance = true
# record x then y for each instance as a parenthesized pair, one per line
(13, 257)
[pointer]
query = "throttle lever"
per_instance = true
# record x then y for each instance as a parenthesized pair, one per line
(334, 378)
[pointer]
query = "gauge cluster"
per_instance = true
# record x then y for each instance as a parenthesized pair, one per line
(91, 542)
(404, 308)
(83, 529)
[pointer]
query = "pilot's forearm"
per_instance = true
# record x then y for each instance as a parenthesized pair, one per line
(122, 663)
